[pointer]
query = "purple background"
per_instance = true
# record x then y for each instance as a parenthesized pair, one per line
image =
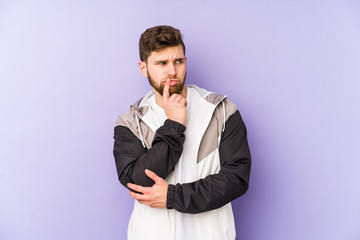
(69, 68)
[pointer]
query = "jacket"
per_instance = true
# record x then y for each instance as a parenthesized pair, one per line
(198, 204)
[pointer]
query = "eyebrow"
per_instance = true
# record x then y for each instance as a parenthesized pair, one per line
(176, 59)
(181, 59)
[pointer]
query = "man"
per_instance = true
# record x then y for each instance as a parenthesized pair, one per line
(181, 150)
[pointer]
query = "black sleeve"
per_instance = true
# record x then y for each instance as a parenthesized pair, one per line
(132, 158)
(216, 190)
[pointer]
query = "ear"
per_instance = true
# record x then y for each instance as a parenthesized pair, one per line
(185, 59)
(143, 68)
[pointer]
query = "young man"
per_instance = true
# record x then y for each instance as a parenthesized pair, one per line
(181, 150)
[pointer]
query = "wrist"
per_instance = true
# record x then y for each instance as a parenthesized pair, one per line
(178, 121)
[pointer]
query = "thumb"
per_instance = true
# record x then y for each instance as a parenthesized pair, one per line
(153, 176)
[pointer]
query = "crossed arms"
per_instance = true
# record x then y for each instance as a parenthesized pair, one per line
(206, 194)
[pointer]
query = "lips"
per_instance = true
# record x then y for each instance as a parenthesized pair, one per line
(173, 82)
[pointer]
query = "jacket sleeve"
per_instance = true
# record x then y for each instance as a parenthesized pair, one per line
(216, 190)
(132, 158)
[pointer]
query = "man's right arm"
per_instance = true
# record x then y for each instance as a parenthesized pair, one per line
(132, 158)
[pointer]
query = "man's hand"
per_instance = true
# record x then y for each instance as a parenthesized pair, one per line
(154, 196)
(175, 105)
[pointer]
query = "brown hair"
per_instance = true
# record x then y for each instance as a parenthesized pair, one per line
(157, 38)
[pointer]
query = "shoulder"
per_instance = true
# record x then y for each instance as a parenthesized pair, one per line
(225, 109)
(137, 110)
(140, 108)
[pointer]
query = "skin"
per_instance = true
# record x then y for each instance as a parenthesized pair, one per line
(168, 64)
(154, 196)
(166, 71)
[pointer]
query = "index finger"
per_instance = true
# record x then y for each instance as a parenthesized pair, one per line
(137, 188)
(153, 176)
(166, 89)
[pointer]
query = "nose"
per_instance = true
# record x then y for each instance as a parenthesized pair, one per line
(171, 69)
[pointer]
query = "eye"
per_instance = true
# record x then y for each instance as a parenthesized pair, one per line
(179, 61)
(161, 63)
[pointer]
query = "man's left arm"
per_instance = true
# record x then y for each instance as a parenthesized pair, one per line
(215, 190)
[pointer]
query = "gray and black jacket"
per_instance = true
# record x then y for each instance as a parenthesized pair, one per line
(222, 162)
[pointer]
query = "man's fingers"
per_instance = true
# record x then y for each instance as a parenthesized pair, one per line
(175, 97)
(138, 196)
(137, 188)
(153, 176)
(166, 89)
(143, 202)
(183, 101)
(178, 98)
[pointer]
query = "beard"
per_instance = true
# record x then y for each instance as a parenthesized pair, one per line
(173, 89)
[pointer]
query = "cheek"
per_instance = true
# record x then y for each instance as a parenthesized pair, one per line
(181, 70)
(156, 76)
(155, 73)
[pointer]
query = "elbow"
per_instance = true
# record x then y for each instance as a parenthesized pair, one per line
(135, 177)
(242, 188)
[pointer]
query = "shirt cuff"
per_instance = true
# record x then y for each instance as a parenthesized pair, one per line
(170, 197)
(178, 126)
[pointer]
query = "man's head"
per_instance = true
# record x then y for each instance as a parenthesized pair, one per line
(162, 56)
(158, 38)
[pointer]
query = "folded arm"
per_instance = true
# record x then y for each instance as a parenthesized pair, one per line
(132, 158)
(215, 190)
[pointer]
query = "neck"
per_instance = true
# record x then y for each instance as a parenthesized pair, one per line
(159, 98)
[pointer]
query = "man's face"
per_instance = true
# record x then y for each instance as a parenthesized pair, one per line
(166, 63)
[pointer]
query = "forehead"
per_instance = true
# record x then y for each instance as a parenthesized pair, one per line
(167, 53)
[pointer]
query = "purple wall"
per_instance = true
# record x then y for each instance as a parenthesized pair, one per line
(68, 69)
